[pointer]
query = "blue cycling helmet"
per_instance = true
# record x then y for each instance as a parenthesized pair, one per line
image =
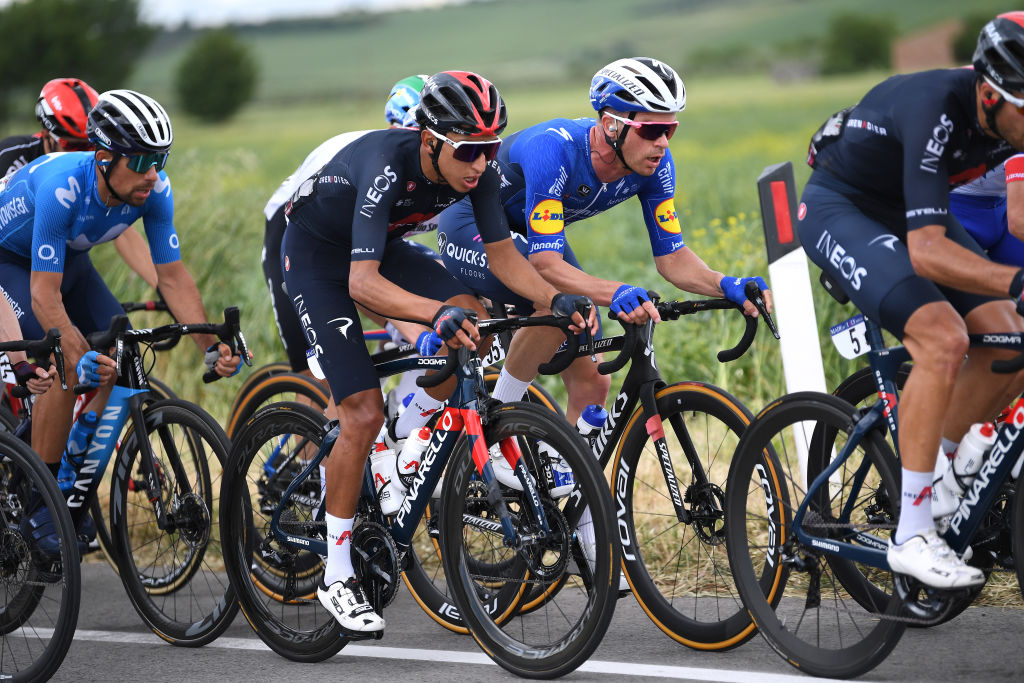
(403, 97)
(638, 84)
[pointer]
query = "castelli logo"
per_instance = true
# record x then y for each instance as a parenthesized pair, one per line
(410, 186)
(287, 264)
(802, 211)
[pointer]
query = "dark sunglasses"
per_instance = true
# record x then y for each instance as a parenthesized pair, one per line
(649, 130)
(468, 150)
(140, 163)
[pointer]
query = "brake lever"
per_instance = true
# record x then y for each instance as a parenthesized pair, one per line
(755, 297)
(58, 357)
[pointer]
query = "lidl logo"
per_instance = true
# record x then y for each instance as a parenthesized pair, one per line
(547, 217)
(668, 221)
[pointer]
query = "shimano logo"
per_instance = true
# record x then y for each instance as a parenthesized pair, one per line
(836, 255)
(825, 545)
(296, 540)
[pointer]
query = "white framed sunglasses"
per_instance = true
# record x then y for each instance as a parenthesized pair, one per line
(649, 130)
(1016, 100)
(468, 150)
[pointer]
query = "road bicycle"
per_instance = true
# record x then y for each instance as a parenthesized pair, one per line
(810, 560)
(165, 488)
(39, 592)
(493, 540)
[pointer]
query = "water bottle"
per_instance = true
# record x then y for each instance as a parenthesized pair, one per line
(408, 463)
(78, 444)
(970, 454)
(385, 479)
(591, 421)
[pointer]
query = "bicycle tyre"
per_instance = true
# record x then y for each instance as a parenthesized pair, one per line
(527, 645)
(295, 627)
(255, 377)
(801, 611)
(40, 596)
(173, 576)
(275, 388)
(689, 594)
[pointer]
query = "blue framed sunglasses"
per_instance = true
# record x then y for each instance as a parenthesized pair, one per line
(140, 163)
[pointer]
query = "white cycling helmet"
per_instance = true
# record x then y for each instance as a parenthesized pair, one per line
(638, 84)
(129, 123)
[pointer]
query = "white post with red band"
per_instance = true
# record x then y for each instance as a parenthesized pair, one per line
(791, 288)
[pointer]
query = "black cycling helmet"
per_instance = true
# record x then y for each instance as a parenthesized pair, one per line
(129, 123)
(1000, 52)
(461, 102)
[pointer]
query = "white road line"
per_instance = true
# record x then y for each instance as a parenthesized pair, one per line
(458, 657)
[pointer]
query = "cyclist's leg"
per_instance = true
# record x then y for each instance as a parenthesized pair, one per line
(317, 279)
(288, 326)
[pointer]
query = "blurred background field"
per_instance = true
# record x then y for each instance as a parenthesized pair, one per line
(753, 100)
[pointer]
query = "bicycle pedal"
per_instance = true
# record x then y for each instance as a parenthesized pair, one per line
(359, 635)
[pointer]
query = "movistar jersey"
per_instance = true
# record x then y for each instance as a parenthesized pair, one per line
(53, 205)
(911, 139)
(548, 181)
(373, 191)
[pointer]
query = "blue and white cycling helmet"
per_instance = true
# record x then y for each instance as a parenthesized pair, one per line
(129, 123)
(638, 84)
(403, 97)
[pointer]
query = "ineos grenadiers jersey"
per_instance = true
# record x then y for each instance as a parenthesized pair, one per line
(548, 181)
(17, 151)
(373, 191)
(53, 205)
(911, 139)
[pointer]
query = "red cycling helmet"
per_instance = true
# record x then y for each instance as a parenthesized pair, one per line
(461, 102)
(63, 107)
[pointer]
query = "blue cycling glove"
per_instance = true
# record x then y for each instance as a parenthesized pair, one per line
(428, 343)
(733, 287)
(628, 297)
(210, 359)
(88, 370)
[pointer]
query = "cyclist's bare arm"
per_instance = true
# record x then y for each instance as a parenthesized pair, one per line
(943, 261)
(688, 272)
(411, 331)
(135, 251)
(567, 278)
(10, 330)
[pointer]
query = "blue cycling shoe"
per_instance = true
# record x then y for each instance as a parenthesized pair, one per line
(39, 529)
(86, 530)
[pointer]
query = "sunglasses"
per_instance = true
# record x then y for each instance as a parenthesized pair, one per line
(72, 145)
(649, 130)
(468, 150)
(140, 163)
(1015, 100)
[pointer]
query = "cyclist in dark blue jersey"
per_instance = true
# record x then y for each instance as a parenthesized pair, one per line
(52, 212)
(563, 171)
(343, 245)
(875, 216)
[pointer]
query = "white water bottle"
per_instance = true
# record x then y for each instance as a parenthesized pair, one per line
(385, 479)
(408, 463)
(971, 452)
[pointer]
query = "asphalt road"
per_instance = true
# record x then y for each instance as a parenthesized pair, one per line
(111, 644)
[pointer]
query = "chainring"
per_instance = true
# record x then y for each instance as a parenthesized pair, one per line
(377, 562)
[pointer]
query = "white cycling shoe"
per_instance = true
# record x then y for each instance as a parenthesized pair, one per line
(929, 559)
(345, 601)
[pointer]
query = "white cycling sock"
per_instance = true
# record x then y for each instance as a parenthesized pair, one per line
(508, 388)
(916, 508)
(339, 549)
(421, 407)
(407, 384)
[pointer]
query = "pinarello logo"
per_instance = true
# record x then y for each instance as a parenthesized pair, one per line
(410, 186)
(801, 212)
(287, 263)
(668, 220)
(547, 217)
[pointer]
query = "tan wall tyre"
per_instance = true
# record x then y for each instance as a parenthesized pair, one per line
(679, 571)
(274, 388)
(255, 377)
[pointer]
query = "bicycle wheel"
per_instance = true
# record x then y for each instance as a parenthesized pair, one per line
(679, 570)
(278, 387)
(173, 573)
(257, 376)
(806, 601)
(555, 639)
(39, 595)
(290, 621)
(159, 391)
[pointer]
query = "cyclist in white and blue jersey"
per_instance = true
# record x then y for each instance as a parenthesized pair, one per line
(991, 209)
(563, 171)
(54, 210)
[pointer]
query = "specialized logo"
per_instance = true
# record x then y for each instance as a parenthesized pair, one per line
(547, 217)
(342, 325)
(668, 220)
(584, 190)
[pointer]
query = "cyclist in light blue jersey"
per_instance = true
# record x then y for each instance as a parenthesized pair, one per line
(563, 171)
(55, 209)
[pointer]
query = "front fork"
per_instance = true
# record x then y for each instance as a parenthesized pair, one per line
(656, 430)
